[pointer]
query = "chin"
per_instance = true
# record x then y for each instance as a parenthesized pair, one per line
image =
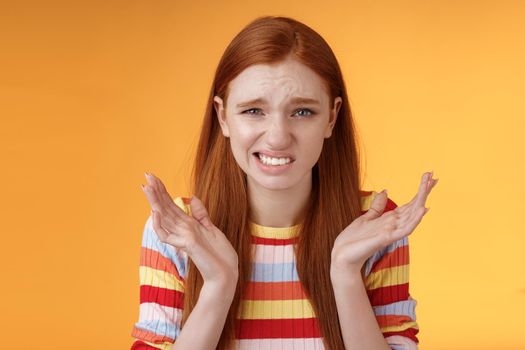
(275, 184)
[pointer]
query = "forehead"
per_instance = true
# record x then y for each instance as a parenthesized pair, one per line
(279, 81)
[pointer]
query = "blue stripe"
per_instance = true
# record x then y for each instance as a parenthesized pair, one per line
(160, 328)
(372, 260)
(404, 307)
(151, 240)
(274, 272)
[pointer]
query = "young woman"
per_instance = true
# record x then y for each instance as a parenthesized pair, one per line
(278, 248)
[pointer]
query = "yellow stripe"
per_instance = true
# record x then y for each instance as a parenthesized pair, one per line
(387, 277)
(162, 346)
(159, 278)
(274, 232)
(182, 205)
(367, 201)
(401, 327)
(272, 309)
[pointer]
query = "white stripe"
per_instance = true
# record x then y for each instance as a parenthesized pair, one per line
(154, 311)
(273, 254)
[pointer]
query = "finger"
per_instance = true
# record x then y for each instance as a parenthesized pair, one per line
(377, 206)
(164, 202)
(164, 235)
(159, 230)
(160, 190)
(421, 196)
(151, 196)
(422, 193)
(200, 213)
(410, 216)
(410, 225)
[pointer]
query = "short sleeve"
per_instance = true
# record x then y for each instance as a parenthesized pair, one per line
(387, 283)
(161, 275)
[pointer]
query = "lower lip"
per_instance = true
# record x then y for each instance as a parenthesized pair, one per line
(272, 169)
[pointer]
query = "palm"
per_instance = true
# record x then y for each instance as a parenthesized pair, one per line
(373, 230)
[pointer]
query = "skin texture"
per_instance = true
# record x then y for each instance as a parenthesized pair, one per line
(278, 124)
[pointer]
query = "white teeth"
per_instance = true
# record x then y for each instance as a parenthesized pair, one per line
(273, 161)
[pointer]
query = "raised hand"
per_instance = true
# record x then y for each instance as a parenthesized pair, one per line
(205, 244)
(374, 230)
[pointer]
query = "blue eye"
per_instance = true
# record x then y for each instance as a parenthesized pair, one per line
(309, 112)
(251, 109)
(306, 109)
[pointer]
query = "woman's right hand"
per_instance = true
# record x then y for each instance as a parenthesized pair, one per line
(196, 235)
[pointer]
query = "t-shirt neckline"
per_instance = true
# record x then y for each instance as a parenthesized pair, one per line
(274, 232)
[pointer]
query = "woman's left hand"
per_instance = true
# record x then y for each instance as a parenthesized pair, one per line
(373, 230)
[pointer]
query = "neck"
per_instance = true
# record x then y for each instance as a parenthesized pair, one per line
(279, 208)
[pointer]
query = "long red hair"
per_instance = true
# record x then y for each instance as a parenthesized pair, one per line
(335, 198)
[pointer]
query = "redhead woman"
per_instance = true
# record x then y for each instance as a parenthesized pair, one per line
(278, 247)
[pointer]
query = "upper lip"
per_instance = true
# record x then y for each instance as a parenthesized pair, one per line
(276, 154)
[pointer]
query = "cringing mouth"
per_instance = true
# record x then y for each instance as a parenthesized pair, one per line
(256, 154)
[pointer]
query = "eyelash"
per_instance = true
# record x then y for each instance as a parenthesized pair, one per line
(301, 109)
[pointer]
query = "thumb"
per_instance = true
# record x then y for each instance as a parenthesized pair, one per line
(199, 212)
(377, 206)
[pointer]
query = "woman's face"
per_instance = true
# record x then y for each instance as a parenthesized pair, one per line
(281, 111)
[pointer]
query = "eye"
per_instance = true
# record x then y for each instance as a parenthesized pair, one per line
(251, 109)
(305, 109)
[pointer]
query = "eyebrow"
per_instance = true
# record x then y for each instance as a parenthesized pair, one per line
(294, 100)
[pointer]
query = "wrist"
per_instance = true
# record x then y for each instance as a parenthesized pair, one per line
(219, 290)
(341, 273)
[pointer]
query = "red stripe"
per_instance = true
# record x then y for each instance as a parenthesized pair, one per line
(390, 205)
(397, 257)
(150, 336)
(387, 295)
(273, 241)
(162, 296)
(409, 333)
(155, 260)
(278, 328)
(140, 345)
(392, 320)
(291, 290)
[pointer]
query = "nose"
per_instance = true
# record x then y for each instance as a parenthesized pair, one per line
(278, 133)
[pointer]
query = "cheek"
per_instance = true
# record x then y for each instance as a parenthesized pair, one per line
(242, 140)
(312, 145)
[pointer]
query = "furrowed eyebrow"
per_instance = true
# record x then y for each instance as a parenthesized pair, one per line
(295, 100)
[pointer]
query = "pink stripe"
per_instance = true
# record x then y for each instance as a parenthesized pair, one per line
(273, 254)
(154, 311)
(279, 344)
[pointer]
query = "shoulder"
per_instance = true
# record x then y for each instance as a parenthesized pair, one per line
(368, 196)
(183, 203)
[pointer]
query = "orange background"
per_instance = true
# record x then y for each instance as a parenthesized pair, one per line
(94, 93)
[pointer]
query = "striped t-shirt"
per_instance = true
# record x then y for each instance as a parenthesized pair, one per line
(275, 313)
